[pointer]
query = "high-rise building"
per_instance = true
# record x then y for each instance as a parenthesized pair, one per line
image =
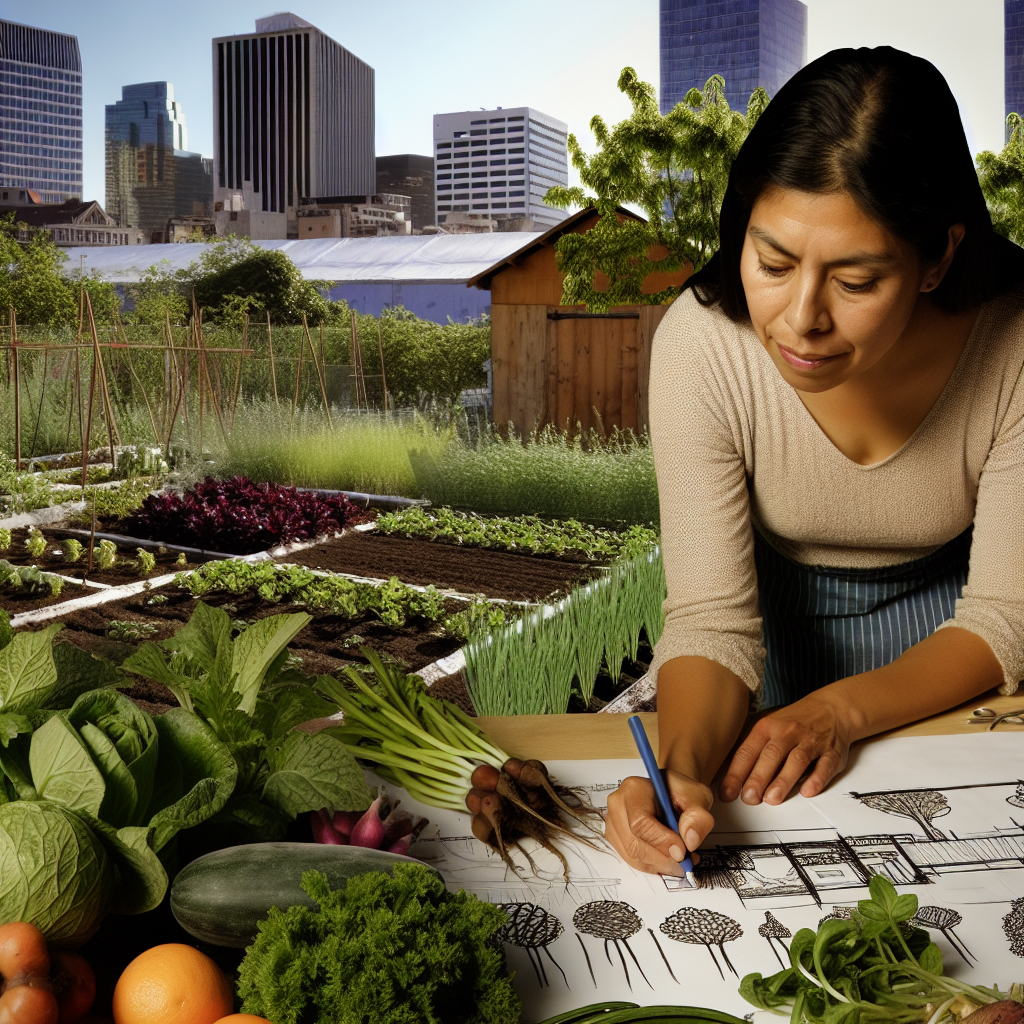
(151, 175)
(408, 174)
(293, 119)
(40, 112)
(1013, 56)
(750, 43)
(500, 163)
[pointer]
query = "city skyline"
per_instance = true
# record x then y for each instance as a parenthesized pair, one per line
(430, 67)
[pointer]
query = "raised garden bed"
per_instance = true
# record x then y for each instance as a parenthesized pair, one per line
(495, 574)
(52, 560)
(14, 602)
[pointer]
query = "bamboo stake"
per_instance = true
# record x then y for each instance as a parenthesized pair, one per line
(17, 390)
(383, 379)
(205, 370)
(78, 394)
(88, 424)
(238, 372)
(273, 372)
(319, 372)
(112, 431)
(71, 405)
(39, 413)
(298, 377)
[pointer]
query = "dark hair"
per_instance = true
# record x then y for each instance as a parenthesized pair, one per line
(882, 126)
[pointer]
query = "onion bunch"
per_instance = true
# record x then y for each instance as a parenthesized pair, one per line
(438, 754)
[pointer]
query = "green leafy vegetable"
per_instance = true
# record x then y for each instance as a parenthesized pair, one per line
(874, 967)
(391, 949)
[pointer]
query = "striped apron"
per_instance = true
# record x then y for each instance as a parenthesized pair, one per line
(822, 624)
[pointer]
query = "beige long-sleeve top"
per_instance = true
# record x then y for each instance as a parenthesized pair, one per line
(736, 450)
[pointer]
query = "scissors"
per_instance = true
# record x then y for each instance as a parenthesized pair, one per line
(992, 718)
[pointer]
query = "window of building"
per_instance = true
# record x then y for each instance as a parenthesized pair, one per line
(495, 120)
(461, 195)
(479, 152)
(443, 188)
(458, 135)
(515, 151)
(479, 174)
(481, 121)
(479, 206)
(443, 208)
(461, 209)
(463, 174)
(459, 167)
(516, 206)
(444, 145)
(517, 160)
(498, 206)
(458, 144)
(497, 163)
(444, 177)
(497, 152)
(498, 195)
(444, 167)
(479, 163)
(481, 131)
(479, 195)
(519, 118)
(497, 131)
(516, 194)
(516, 183)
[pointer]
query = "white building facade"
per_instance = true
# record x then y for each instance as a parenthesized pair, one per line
(499, 163)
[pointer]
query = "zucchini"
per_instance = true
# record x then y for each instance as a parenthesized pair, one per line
(587, 1013)
(663, 1015)
(220, 897)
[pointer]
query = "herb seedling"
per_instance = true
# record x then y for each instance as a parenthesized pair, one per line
(130, 632)
(29, 579)
(157, 599)
(181, 560)
(72, 550)
(105, 554)
(5, 540)
(145, 563)
(35, 542)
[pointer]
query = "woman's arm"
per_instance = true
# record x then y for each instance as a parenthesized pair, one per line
(701, 709)
(943, 670)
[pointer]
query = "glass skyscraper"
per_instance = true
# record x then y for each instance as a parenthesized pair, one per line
(750, 43)
(40, 112)
(151, 175)
(1013, 56)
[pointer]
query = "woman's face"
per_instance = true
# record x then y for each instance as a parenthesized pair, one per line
(830, 291)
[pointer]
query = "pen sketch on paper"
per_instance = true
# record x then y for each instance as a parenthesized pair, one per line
(764, 874)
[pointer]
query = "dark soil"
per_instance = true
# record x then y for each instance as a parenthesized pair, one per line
(499, 574)
(326, 645)
(14, 602)
(124, 570)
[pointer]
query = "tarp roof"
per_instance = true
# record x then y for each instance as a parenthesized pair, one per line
(427, 258)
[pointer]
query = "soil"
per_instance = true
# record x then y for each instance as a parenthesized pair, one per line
(14, 602)
(326, 645)
(124, 570)
(500, 574)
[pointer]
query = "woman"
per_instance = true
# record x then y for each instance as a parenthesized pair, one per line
(837, 416)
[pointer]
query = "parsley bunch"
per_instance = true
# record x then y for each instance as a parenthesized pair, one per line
(391, 949)
(874, 967)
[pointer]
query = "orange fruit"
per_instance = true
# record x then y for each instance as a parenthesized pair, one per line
(243, 1018)
(172, 984)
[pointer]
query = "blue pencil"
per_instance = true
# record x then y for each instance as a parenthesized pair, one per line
(643, 745)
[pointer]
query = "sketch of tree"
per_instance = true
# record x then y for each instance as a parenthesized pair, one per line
(1013, 925)
(838, 914)
(922, 805)
(614, 922)
(943, 919)
(1017, 799)
(775, 931)
(532, 928)
(702, 927)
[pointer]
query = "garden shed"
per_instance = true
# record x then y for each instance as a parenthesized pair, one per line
(555, 364)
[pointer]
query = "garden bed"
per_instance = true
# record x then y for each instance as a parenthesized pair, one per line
(52, 560)
(15, 602)
(495, 574)
(325, 645)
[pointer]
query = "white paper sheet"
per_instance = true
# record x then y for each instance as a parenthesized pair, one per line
(614, 933)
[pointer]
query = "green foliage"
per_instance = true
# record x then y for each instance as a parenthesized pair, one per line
(674, 167)
(387, 948)
(20, 492)
(35, 542)
(130, 632)
(241, 689)
(550, 473)
(28, 580)
(158, 296)
(1002, 182)
(72, 550)
(145, 561)
(392, 602)
(481, 616)
(874, 967)
(519, 533)
(112, 502)
(5, 539)
(105, 555)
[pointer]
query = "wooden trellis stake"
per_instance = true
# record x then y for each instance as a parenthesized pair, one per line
(319, 371)
(383, 379)
(273, 371)
(13, 321)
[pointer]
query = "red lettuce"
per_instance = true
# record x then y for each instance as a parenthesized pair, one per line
(238, 517)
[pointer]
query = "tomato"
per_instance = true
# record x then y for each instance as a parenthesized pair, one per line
(74, 985)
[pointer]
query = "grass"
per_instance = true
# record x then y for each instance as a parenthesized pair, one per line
(533, 666)
(550, 473)
(358, 453)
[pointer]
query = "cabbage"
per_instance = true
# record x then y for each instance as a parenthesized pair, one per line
(54, 871)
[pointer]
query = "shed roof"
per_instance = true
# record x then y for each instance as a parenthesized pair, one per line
(532, 245)
(425, 258)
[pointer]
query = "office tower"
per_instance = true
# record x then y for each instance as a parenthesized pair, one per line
(750, 43)
(293, 119)
(499, 163)
(1013, 57)
(40, 112)
(151, 175)
(410, 175)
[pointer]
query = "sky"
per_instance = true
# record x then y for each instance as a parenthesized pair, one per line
(560, 56)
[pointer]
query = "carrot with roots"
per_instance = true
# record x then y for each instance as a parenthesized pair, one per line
(438, 754)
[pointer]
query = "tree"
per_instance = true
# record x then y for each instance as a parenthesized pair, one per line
(703, 927)
(674, 167)
(1002, 182)
(922, 805)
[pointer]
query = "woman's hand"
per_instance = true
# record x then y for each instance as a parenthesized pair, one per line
(784, 744)
(643, 842)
